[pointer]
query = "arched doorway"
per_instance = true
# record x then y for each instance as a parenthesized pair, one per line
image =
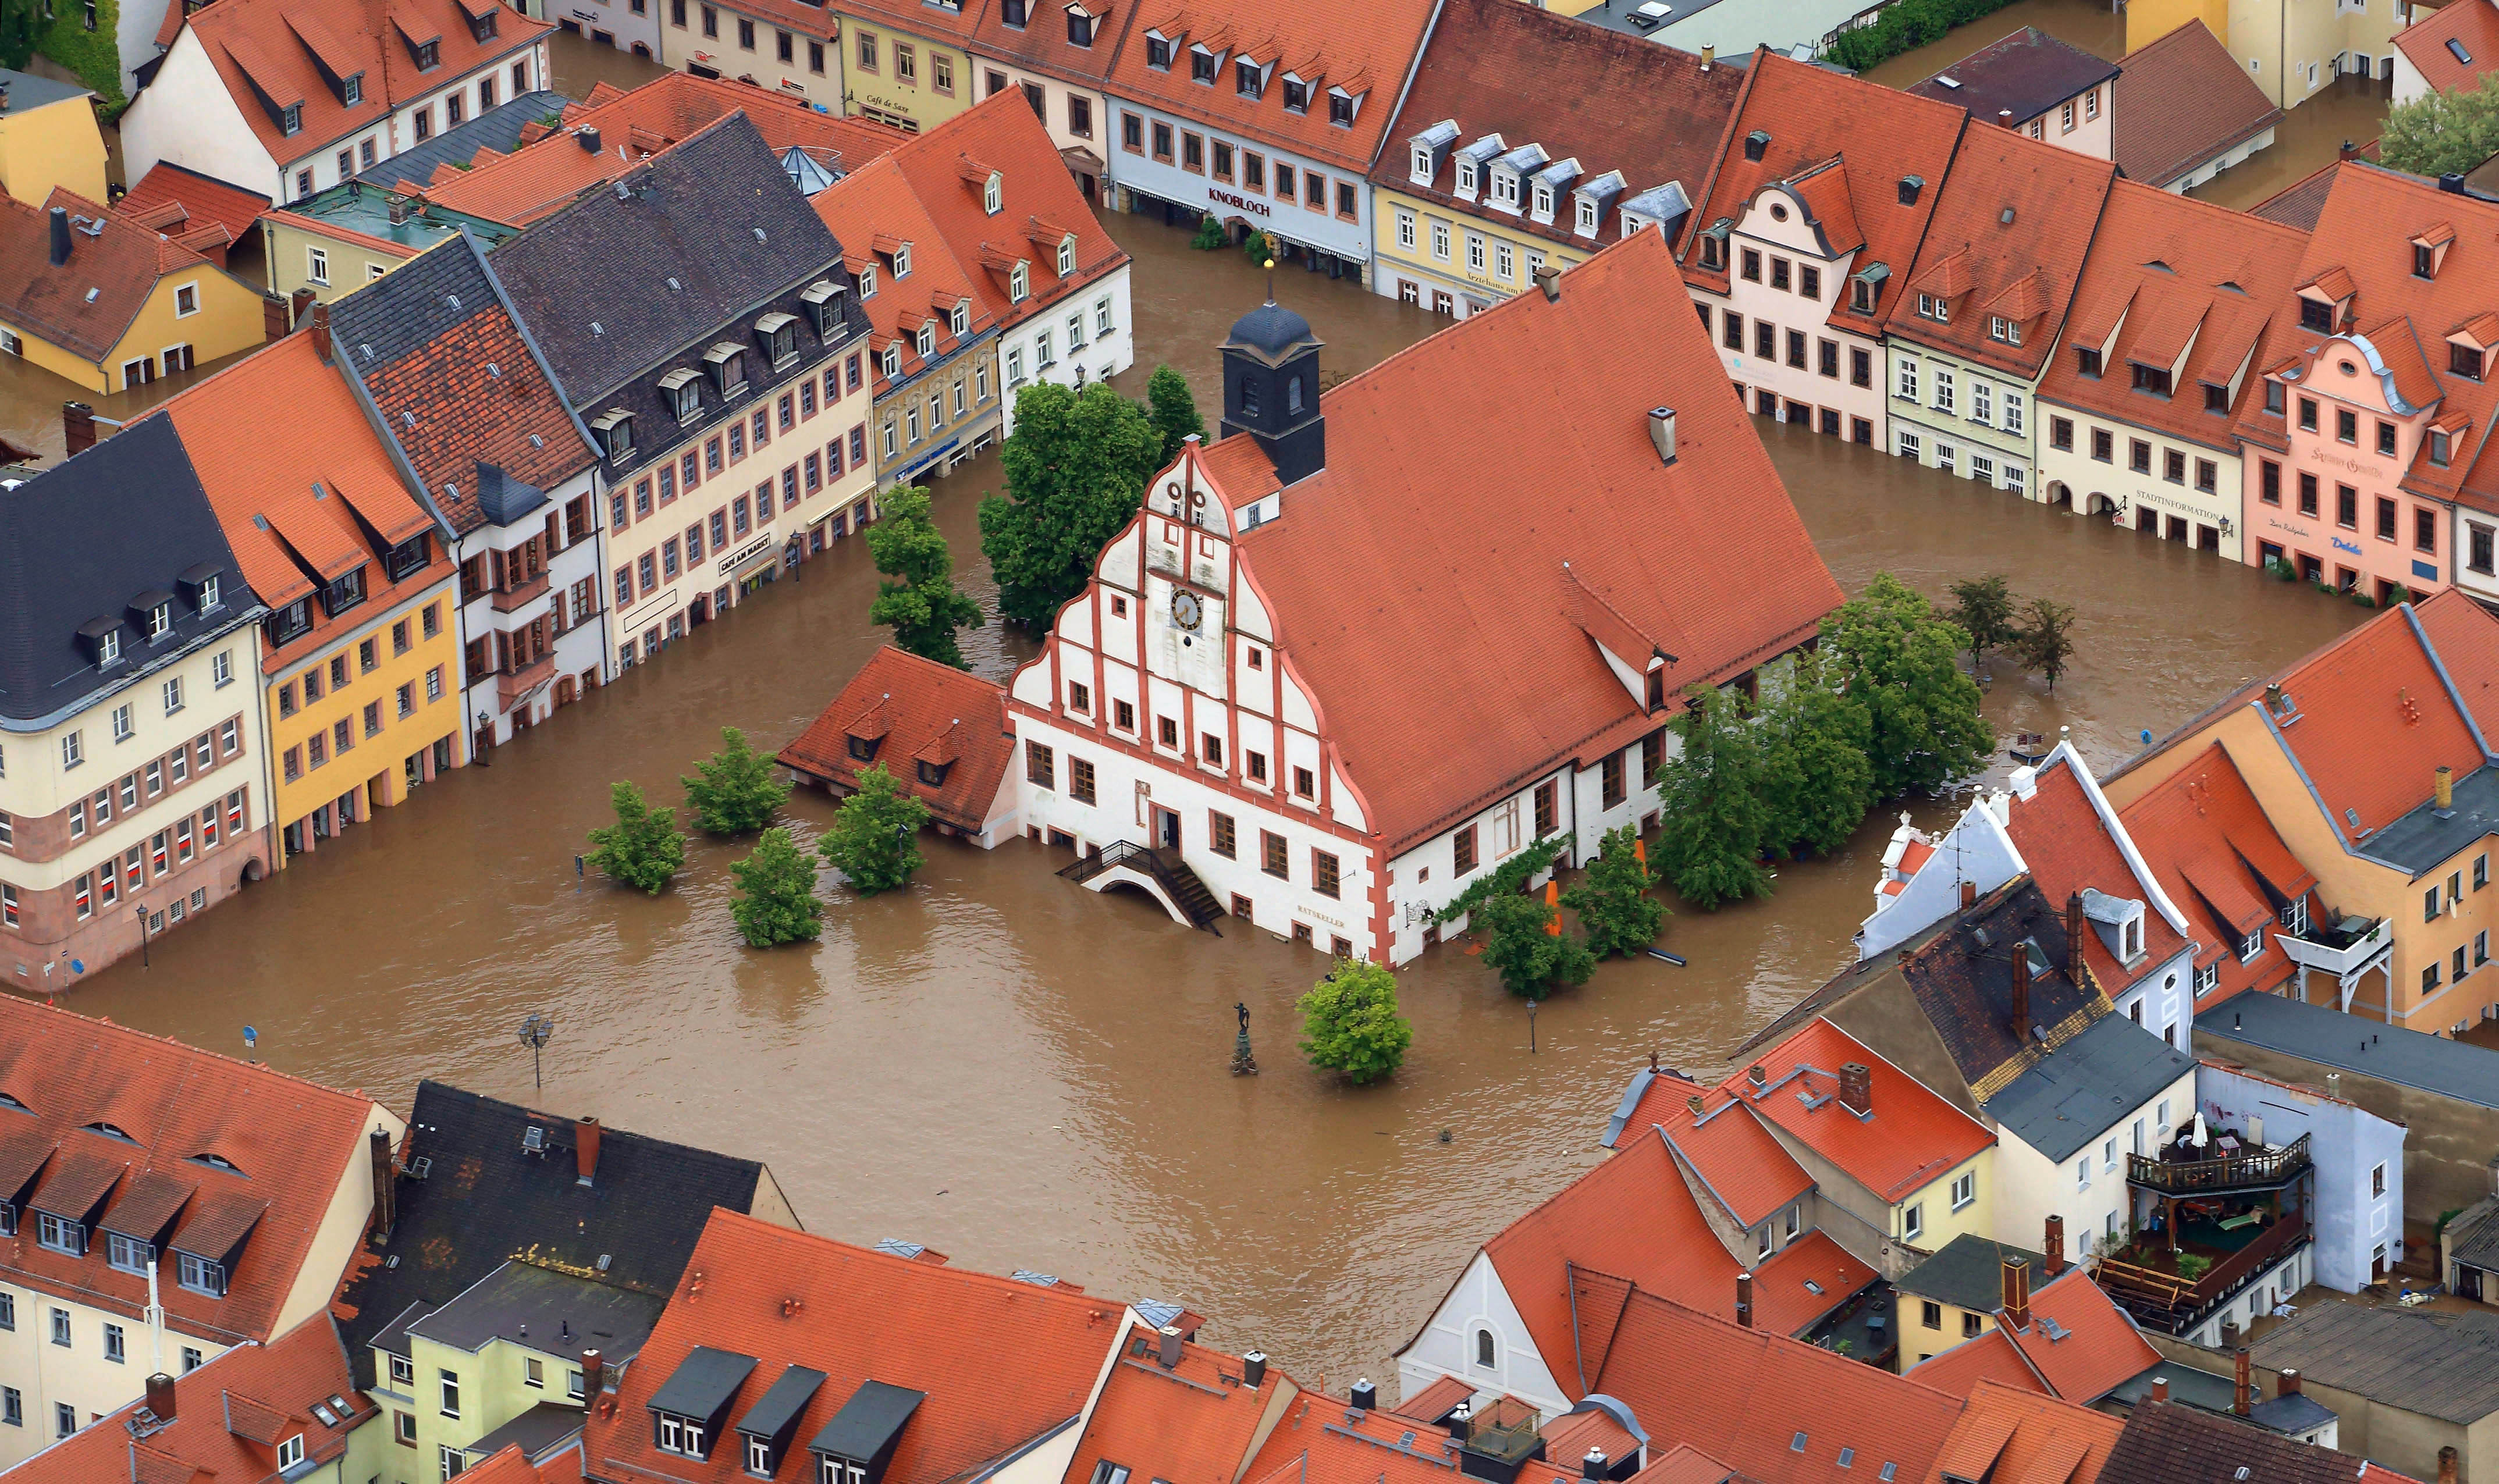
(2060, 496)
(642, 49)
(2101, 504)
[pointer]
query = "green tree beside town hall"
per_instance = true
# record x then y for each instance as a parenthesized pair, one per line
(1076, 465)
(733, 791)
(1709, 796)
(1612, 898)
(1892, 655)
(1817, 782)
(1350, 1024)
(1522, 948)
(1173, 410)
(776, 894)
(875, 838)
(922, 605)
(642, 849)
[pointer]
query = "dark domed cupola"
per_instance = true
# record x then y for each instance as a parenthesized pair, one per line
(1271, 389)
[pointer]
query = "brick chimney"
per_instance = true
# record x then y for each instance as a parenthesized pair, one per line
(2074, 930)
(1968, 895)
(385, 1183)
(277, 317)
(78, 426)
(2241, 1373)
(2286, 1384)
(2442, 787)
(593, 1375)
(298, 304)
(321, 332)
(2020, 1019)
(1744, 1300)
(2161, 1388)
(1856, 1088)
(2447, 1464)
(2055, 1249)
(160, 1396)
(1167, 1354)
(585, 1148)
(2017, 1293)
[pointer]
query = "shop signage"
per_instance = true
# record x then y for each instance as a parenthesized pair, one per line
(1245, 203)
(744, 554)
(2353, 547)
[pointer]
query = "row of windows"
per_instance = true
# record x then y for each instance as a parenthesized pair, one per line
(1766, 343)
(320, 747)
(1990, 407)
(455, 111)
(783, 43)
(1494, 256)
(71, 1238)
(2138, 458)
(1506, 188)
(1307, 186)
(906, 62)
(1123, 718)
(1249, 79)
(723, 449)
(2347, 500)
(164, 850)
(1807, 279)
(731, 522)
(1984, 467)
(1825, 420)
(368, 659)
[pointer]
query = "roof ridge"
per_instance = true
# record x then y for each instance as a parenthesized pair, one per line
(107, 1023)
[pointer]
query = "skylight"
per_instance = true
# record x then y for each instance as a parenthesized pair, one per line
(110, 1131)
(2455, 49)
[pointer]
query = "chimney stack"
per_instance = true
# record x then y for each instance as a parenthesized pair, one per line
(1253, 1369)
(1857, 1087)
(1968, 895)
(2022, 992)
(2447, 1464)
(1593, 1465)
(1460, 1422)
(1758, 1075)
(78, 426)
(2347, 151)
(61, 239)
(1744, 1300)
(2452, 184)
(585, 1148)
(301, 302)
(2161, 1388)
(277, 317)
(1549, 280)
(2017, 1293)
(2074, 930)
(1699, 1106)
(589, 138)
(2286, 1384)
(397, 203)
(2442, 787)
(2056, 1248)
(1364, 1395)
(385, 1181)
(1660, 430)
(1167, 1352)
(2004, 116)
(1709, 57)
(160, 1396)
(321, 332)
(594, 1377)
(2240, 1368)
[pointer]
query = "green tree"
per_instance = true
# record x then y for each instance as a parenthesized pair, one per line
(1174, 411)
(923, 608)
(776, 894)
(875, 838)
(733, 791)
(20, 25)
(1816, 781)
(1211, 234)
(1891, 655)
(642, 849)
(1711, 796)
(1521, 947)
(1075, 467)
(2044, 638)
(1350, 1024)
(1612, 900)
(1983, 607)
(2442, 133)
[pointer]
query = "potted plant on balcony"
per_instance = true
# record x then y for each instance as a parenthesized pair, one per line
(2192, 1268)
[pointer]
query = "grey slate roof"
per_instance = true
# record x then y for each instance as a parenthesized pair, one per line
(536, 1432)
(2473, 1235)
(2348, 1043)
(549, 1311)
(82, 539)
(1272, 330)
(2428, 836)
(782, 1402)
(2169, 1442)
(498, 129)
(483, 1198)
(703, 1383)
(2439, 1365)
(29, 91)
(1968, 1272)
(2070, 1096)
(716, 213)
(429, 296)
(869, 1421)
(2027, 72)
(2295, 1414)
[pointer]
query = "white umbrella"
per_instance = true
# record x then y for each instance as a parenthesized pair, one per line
(2199, 1135)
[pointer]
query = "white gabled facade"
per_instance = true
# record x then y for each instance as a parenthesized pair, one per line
(1476, 1319)
(1076, 339)
(1786, 277)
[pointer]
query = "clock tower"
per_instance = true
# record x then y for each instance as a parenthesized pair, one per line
(1271, 390)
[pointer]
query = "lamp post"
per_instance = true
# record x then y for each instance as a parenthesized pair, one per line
(142, 935)
(1531, 1027)
(534, 1032)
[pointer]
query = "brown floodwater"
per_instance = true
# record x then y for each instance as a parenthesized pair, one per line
(1025, 1075)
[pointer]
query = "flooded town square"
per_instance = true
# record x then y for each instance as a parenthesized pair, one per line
(1024, 1075)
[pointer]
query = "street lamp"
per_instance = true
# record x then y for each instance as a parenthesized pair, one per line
(1531, 1027)
(534, 1032)
(143, 936)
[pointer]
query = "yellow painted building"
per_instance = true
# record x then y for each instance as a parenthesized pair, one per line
(1953, 1296)
(349, 234)
(48, 138)
(2293, 49)
(902, 76)
(1455, 261)
(109, 305)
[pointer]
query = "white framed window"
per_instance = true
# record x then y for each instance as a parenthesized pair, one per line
(1504, 189)
(1909, 381)
(1419, 171)
(2208, 978)
(173, 695)
(1467, 178)
(1913, 1222)
(902, 262)
(1946, 455)
(1405, 229)
(1475, 252)
(1943, 389)
(1907, 446)
(1542, 209)
(1982, 402)
(1066, 257)
(1504, 262)
(1019, 282)
(2012, 410)
(316, 264)
(186, 300)
(453, 1461)
(1043, 356)
(1587, 221)
(122, 728)
(2108, 1155)
(451, 1392)
(72, 749)
(127, 1254)
(1103, 324)
(1015, 366)
(403, 1370)
(1965, 1189)
(2014, 478)
(1440, 240)
(65, 1236)
(2083, 1173)
(200, 1275)
(868, 281)
(290, 1453)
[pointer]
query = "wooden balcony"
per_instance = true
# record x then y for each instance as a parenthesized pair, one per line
(2246, 1169)
(2145, 1279)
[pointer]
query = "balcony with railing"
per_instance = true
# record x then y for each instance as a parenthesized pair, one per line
(2344, 950)
(2247, 1168)
(2174, 1289)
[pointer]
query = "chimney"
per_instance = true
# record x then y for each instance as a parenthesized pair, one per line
(1364, 1396)
(593, 1375)
(78, 426)
(1550, 278)
(1460, 1422)
(1857, 1089)
(1593, 1465)
(1699, 1106)
(1709, 57)
(321, 330)
(160, 1396)
(2347, 151)
(276, 318)
(300, 301)
(2240, 1365)
(1758, 1075)
(585, 1148)
(2005, 117)
(2017, 1293)
(2020, 1017)
(398, 209)
(1167, 1352)
(1910, 185)
(1661, 431)
(2442, 787)
(2161, 1388)
(2452, 184)
(589, 139)
(385, 1181)
(1968, 895)
(2447, 1464)
(2287, 1383)
(1253, 1369)
(60, 236)
(2055, 1249)
(2074, 930)
(1744, 1300)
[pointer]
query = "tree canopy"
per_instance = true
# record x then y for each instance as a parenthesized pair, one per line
(1983, 607)
(1350, 1024)
(642, 849)
(1172, 411)
(1895, 658)
(2439, 134)
(923, 606)
(1612, 898)
(874, 841)
(2043, 640)
(1816, 781)
(1077, 465)
(776, 894)
(733, 791)
(1709, 794)
(1522, 947)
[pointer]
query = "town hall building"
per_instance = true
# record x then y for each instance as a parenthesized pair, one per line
(1339, 667)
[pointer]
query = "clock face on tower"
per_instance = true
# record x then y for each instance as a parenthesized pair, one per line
(1185, 610)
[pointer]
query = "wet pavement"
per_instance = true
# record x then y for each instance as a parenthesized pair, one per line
(1027, 1075)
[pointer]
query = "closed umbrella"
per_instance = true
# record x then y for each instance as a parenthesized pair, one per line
(2199, 1135)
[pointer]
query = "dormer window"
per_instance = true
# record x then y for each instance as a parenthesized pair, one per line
(2153, 379)
(868, 281)
(2439, 448)
(60, 1233)
(429, 55)
(1541, 205)
(290, 118)
(1341, 110)
(1935, 307)
(615, 430)
(2003, 330)
(1466, 178)
(681, 1436)
(2424, 261)
(160, 621)
(208, 598)
(482, 27)
(2132, 937)
(2463, 361)
(127, 1254)
(728, 363)
(682, 388)
(1067, 255)
(1505, 188)
(1019, 282)
(823, 300)
(2086, 361)
(200, 1274)
(863, 748)
(1158, 53)
(352, 91)
(958, 320)
(933, 774)
(892, 362)
(993, 194)
(1080, 28)
(344, 592)
(927, 340)
(1012, 12)
(1247, 79)
(290, 1453)
(778, 333)
(2316, 314)
(1297, 96)
(1587, 221)
(1201, 66)
(1420, 171)
(291, 622)
(902, 262)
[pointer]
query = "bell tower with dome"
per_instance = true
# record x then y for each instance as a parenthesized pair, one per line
(1271, 389)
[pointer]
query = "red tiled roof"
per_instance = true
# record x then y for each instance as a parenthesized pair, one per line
(1813, 115)
(1912, 1137)
(229, 1417)
(876, 200)
(787, 1298)
(2014, 212)
(1192, 1424)
(1040, 42)
(2092, 1346)
(306, 492)
(292, 1141)
(1320, 1439)
(1636, 105)
(2297, 204)
(544, 173)
(1783, 1302)
(1434, 1402)
(202, 199)
(1738, 1160)
(2431, 43)
(1764, 1393)
(2466, 636)
(275, 46)
(1508, 667)
(119, 265)
(915, 704)
(2213, 850)
(1990, 1360)
(2069, 850)
(511, 1466)
(2179, 102)
(2167, 265)
(1366, 49)
(2013, 1435)
(1684, 1464)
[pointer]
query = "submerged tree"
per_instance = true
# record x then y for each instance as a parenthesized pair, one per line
(776, 901)
(642, 849)
(1077, 465)
(1350, 1024)
(874, 841)
(1983, 607)
(2044, 640)
(1612, 900)
(1173, 410)
(1710, 797)
(1523, 948)
(923, 607)
(1891, 654)
(1816, 781)
(733, 791)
